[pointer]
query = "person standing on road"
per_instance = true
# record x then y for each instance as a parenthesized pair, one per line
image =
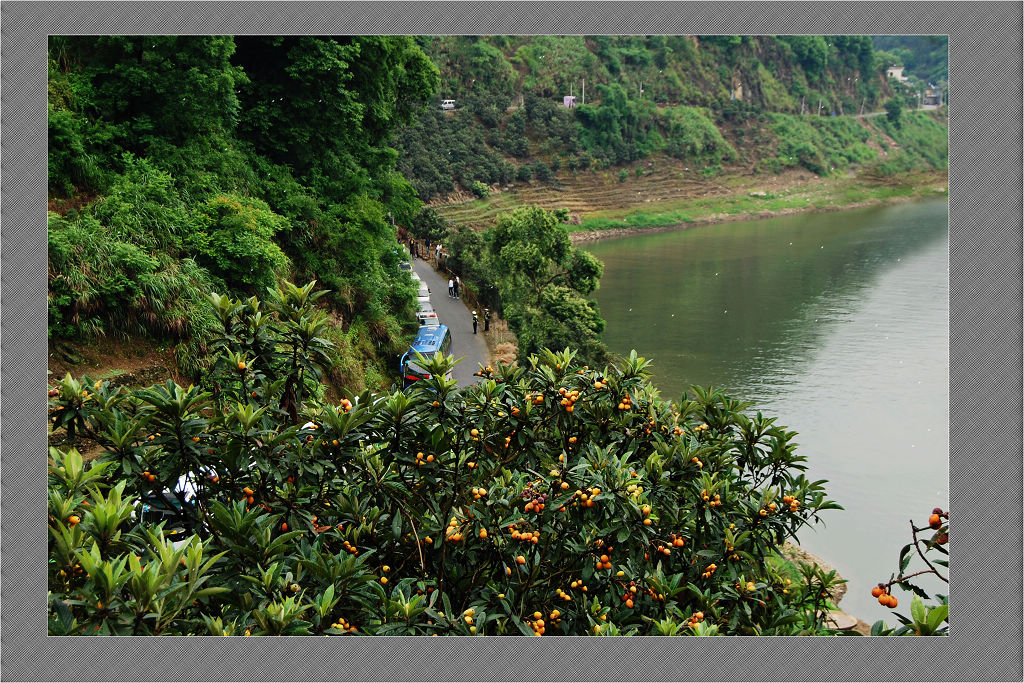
(458, 286)
(451, 288)
(474, 322)
(487, 320)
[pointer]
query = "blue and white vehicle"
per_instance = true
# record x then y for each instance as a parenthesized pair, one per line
(429, 341)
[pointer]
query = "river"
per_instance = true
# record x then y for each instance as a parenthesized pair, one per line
(836, 323)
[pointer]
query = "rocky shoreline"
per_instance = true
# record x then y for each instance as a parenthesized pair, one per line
(844, 621)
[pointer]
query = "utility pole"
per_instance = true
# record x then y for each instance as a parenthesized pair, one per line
(801, 106)
(862, 103)
(819, 107)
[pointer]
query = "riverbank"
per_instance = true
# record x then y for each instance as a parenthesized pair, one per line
(796, 555)
(821, 195)
(664, 194)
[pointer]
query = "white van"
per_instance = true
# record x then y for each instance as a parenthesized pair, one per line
(447, 104)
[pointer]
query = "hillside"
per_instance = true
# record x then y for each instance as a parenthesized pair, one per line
(709, 101)
(180, 166)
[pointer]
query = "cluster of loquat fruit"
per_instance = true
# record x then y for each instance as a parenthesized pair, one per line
(717, 502)
(526, 536)
(885, 599)
(452, 533)
(586, 499)
(569, 398)
(535, 501)
(341, 624)
(709, 570)
(487, 372)
(625, 403)
(537, 624)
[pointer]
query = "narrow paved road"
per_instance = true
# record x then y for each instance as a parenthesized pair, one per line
(453, 313)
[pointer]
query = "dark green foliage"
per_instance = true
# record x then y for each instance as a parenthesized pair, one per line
(240, 247)
(427, 224)
(926, 57)
(894, 112)
(415, 512)
(543, 282)
(645, 96)
(234, 161)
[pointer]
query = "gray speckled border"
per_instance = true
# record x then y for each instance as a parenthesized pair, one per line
(985, 362)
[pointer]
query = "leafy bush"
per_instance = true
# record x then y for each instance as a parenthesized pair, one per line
(480, 189)
(553, 498)
(100, 285)
(693, 136)
(241, 248)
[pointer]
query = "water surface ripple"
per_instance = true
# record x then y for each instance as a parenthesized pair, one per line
(836, 323)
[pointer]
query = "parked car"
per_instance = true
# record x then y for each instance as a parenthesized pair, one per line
(427, 316)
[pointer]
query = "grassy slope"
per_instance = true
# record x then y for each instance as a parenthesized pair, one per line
(669, 195)
(662, 192)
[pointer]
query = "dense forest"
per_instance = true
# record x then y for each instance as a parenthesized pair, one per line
(182, 165)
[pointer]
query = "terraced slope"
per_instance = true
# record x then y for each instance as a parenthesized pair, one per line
(666, 183)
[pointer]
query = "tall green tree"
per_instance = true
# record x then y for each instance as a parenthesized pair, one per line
(544, 282)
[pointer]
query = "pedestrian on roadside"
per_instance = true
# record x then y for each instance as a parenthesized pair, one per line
(458, 286)
(474, 322)
(451, 288)
(487, 320)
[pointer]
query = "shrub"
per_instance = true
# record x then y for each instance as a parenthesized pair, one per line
(480, 189)
(542, 171)
(553, 498)
(241, 248)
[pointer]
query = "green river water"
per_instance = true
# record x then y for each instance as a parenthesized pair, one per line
(836, 323)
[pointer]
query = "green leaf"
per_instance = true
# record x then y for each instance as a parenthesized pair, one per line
(937, 615)
(905, 557)
(917, 610)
